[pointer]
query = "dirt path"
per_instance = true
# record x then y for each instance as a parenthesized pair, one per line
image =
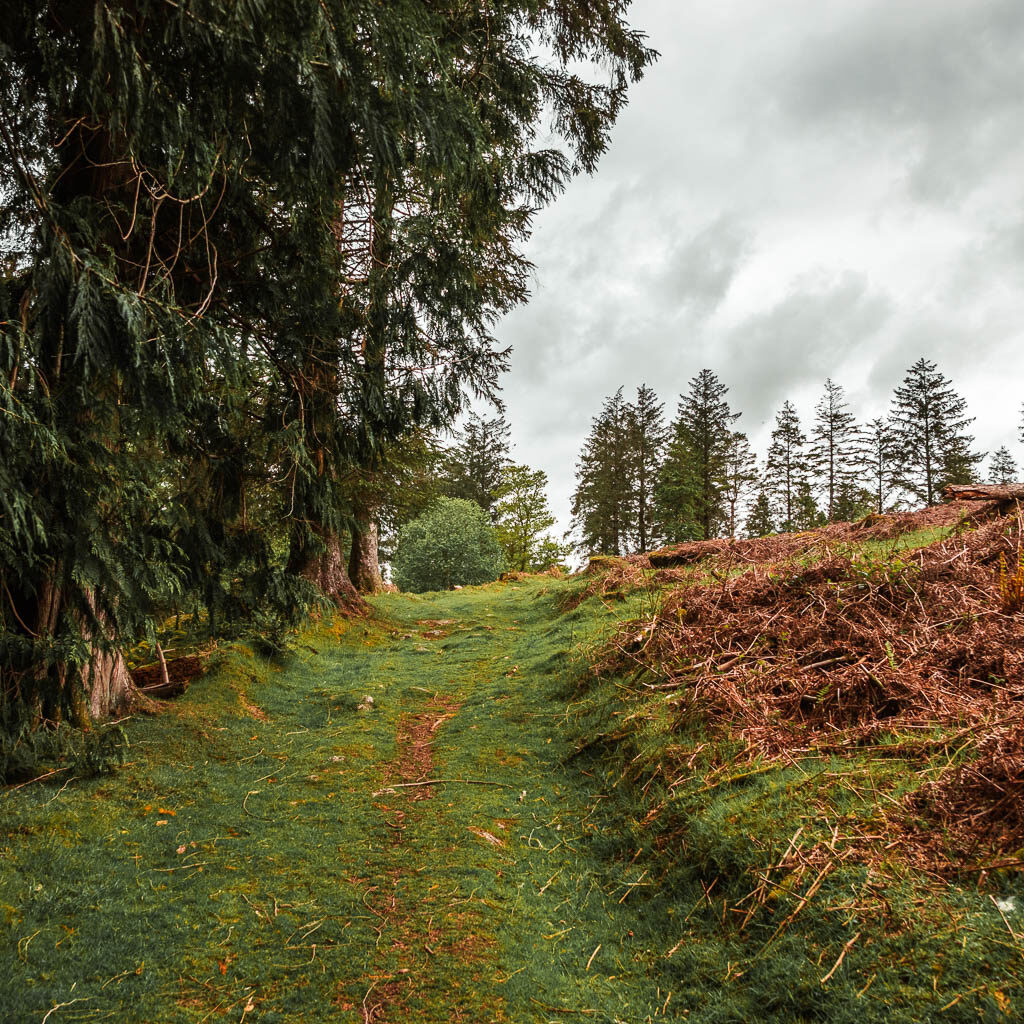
(288, 866)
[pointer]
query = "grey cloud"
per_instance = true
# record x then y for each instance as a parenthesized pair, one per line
(805, 338)
(939, 81)
(699, 270)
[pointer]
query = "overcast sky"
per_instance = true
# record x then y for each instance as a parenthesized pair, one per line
(797, 190)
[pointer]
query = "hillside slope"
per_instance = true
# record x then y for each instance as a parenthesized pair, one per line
(651, 806)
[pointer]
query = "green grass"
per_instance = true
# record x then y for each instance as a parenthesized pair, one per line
(303, 893)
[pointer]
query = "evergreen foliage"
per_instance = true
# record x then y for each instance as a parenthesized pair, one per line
(739, 479)
(451, 544)
(787, 471)
(603, 502)
(694, 475)
(835, 456)
(647, 436)
(476, 463)
(761, 518)
(928, 422)
(879, 457)
(246, 249)
(1002, 467)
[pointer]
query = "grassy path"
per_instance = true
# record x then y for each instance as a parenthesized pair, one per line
(258, 861)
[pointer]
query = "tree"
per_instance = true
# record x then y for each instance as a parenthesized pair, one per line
(475, 464)
(602, 504)
(452, 544)
(739, 479)
(835, 447)
(697, 458)
(645, 423)
(194, 363)
(806, 514)
(522, 515)
(761, 518)
(879, 457)
(787, 469)
(927, 422)
(1002, 468)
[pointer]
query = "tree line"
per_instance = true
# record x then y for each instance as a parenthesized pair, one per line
(642, 481)
(249, 254)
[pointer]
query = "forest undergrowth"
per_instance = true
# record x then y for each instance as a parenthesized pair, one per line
(627, 796)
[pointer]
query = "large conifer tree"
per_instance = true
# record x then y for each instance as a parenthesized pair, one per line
(603, 502)
(787, 470)
(647, 436)
(187, 372)
(928, 422)
(835, 453)
(696, 461)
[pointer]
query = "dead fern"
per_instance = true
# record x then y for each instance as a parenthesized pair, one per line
(1011, 585)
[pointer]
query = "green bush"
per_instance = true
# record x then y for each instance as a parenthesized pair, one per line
(451, 544)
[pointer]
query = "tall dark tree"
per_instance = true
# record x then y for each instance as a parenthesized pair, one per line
(602, 504)
(787, 471)
(178, 192)
(697, 457)
(647, 436)
(835, 452)
(879, 462)
(739, 480)
(928, 422)
(475, 463)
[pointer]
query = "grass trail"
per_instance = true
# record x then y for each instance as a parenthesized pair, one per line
(252, 862)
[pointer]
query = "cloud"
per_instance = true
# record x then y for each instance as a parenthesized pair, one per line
(797, 190)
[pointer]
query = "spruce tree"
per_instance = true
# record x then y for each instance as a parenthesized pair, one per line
(761, 517)
(928, 420)
(647, 436)
(879, 457)
(696, 461)
(1003, 467)
(191, 372)
(603, 502)
(835, 448)
(475, 464)
(739, 480)
(787, 471)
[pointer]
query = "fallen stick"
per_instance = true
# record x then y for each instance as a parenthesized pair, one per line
(442, 782)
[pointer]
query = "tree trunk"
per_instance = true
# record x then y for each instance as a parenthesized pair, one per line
(984, 492)
(363, 563)
(326, 571)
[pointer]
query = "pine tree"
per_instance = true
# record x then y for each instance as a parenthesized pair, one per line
(928, 421)
(1003, 467)
(603, 502)
(647, 436)
(190, 373)
(696, 461)
(835, 447)
(761, 517)
(879, 462)
(739, 480)
(787, 470)
(475, 464)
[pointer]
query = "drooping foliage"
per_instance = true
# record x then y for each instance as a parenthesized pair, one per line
(245, 249)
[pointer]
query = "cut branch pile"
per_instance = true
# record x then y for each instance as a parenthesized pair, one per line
(842, 652)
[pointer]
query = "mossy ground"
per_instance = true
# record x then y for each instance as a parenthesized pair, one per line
(249, 863)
